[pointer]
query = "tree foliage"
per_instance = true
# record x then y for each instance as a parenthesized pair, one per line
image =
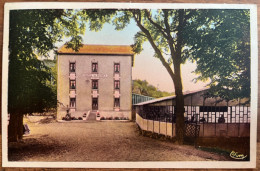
(33, 33)
(217, 40)
(144, 88)
(221, 49)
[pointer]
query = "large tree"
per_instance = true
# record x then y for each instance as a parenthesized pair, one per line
(217, 40)
(224, 54)
(33, 33)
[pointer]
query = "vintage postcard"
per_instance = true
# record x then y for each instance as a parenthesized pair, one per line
(129, 85)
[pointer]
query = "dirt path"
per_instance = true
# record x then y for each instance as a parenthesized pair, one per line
(99, 141)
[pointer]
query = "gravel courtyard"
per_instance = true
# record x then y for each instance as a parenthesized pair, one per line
(99, 141)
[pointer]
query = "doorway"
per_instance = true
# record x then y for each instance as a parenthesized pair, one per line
(94, 103)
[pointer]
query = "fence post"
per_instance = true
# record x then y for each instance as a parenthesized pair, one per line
(153, 122)
(159, 124)
(172, 124)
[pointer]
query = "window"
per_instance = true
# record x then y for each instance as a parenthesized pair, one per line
(117, 84)
(117, 67)
(213, 108)
(72, 66)
(94, 84)
(117, 102)
(72, 84)
(95, 67)
(73, 102)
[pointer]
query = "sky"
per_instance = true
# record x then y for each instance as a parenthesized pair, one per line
(146, 67)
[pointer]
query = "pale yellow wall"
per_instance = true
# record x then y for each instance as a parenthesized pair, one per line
(206, 130)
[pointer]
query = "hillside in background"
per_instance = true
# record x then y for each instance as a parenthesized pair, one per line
(144, 88)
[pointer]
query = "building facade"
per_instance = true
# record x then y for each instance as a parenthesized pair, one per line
(96, 78)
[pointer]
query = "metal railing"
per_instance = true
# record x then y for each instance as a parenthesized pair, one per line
(137, 98)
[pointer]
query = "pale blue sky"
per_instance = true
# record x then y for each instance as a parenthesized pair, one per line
(146, 66)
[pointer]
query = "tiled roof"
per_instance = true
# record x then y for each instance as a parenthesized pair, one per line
(99, 49)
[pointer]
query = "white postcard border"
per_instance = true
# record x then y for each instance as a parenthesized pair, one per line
(182, 164)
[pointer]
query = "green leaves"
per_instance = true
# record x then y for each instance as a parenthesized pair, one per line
(217, 40)
(222, 52)
(122, 19)
(74, 43)
(33, 33)
(144, 88)
(97, 18)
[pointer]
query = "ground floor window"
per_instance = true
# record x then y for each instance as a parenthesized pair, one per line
(72, 102)
(117, 102)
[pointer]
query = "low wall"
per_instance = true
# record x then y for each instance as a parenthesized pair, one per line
(206, 130)
(164, 128)
(111, 113)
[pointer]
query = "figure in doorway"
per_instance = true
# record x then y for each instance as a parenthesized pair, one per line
(221, 119)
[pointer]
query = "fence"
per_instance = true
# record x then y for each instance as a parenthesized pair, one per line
(232, 121)
(205, 114)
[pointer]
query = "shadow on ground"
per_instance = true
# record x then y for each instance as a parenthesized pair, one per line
(33, 147)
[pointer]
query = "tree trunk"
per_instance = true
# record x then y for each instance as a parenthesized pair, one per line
(178, 82)
(15, 127)
(179, 111)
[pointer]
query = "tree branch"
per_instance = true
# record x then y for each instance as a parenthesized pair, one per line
(142, 34)
(160, 28)
(168, 31)
(156, 49)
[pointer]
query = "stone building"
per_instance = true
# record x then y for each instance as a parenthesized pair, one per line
(96, 78)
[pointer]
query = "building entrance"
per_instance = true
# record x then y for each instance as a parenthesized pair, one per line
(94, 103)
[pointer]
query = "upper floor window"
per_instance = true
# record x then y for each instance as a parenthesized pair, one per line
(117, 67)
(72, 66)
(72, 84)
(94, 84)
(117, 84)
(95, 67)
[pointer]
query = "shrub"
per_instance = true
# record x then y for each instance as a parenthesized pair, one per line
(110, 118)
(116, 118)
(80, 118)
(124, 118)
(63, 118)
(102, 118)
